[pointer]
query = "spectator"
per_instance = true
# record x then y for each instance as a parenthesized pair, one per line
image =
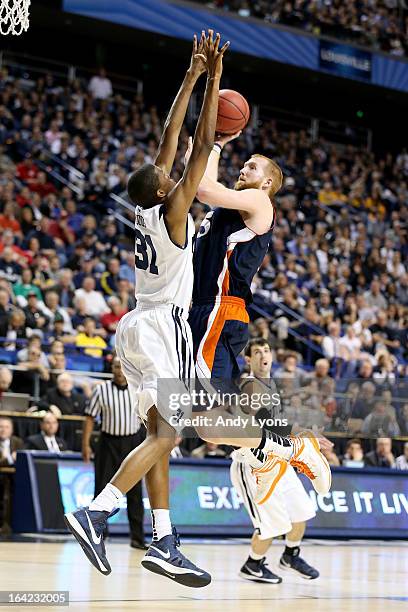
(33, 342)
(382, 456)
(95, 303)
(291, 370)
(401, 462)
(208, 450)
(26, 286)
(8, 219)
(47, 440)
(56, 351)
(89, 338)
(364, 403)
(42, 234)
(379, 422)
(43, 187)
(9, 444)
(6, 378)
(27, 171)
(35, 317)
(384, 336)
(34, 376)
(351, 345)
(14, 329)
(331, 344)
(261, 329)
(109, 279)
(384, 371)
(354, 455)
(365, 372)
(100, 86)
(62, 399)
(321, 376)
(53, 307)
(80, 314)
(56, 331)
(111, 319)
(66, 289)
(374, 297)
(9, 268)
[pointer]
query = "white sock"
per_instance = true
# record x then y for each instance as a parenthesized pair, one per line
(107, 500)
(161, 524)
(255, 556)
(291, 543)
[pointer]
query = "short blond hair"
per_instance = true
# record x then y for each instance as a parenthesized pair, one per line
(275, 172)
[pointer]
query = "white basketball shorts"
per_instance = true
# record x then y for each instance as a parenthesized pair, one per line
(155, 347)
(289, 503)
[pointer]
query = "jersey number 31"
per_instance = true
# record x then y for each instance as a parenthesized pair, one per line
(142, 255)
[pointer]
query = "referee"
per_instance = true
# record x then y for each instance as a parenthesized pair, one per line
(121, 432)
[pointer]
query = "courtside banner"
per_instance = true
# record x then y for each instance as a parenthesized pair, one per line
(361, 503)
(345, 61)
(249, 36)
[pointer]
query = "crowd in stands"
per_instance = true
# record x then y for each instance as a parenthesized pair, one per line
(331, 297)
(48, 440)
(381, 24)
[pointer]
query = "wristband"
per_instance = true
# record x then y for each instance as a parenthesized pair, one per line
(217, 148)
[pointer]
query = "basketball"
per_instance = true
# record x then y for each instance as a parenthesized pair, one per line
(233, 112)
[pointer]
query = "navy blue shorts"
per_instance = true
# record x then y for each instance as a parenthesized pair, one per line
(220, 333)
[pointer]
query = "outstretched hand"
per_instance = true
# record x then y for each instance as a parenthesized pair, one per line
(214, 54)
(198, 63)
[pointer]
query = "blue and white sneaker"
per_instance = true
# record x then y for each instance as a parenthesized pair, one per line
(296, 564)
(257, 571)
(163, 557)
(88, 527)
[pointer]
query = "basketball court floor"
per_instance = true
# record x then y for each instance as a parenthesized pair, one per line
(355, 576)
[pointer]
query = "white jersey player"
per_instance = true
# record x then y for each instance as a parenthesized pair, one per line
(153, 341)
(287, 509)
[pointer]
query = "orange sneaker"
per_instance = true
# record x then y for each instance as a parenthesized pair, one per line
(267, 477)
(308, 459)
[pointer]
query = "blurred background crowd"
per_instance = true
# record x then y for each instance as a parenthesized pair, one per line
(331, 296)
(382, 25)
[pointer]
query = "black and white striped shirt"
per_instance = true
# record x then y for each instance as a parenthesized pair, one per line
(114, 405)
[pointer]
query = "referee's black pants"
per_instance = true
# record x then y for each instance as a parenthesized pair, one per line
(109, 454)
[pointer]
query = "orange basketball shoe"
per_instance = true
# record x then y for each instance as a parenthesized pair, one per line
(309, 460)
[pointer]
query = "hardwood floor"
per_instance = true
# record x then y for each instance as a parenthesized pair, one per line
(355, 576)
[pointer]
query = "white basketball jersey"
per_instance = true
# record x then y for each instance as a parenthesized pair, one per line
(164, 271)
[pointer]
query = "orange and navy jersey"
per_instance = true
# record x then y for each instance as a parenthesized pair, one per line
(227, 256)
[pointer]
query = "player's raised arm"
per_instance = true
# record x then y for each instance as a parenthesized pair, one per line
(169, 140)
(180, 199)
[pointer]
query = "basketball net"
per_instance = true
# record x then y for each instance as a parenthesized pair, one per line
(14, 16)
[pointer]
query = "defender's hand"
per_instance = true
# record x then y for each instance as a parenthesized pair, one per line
(214, 55)
(198, 57)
